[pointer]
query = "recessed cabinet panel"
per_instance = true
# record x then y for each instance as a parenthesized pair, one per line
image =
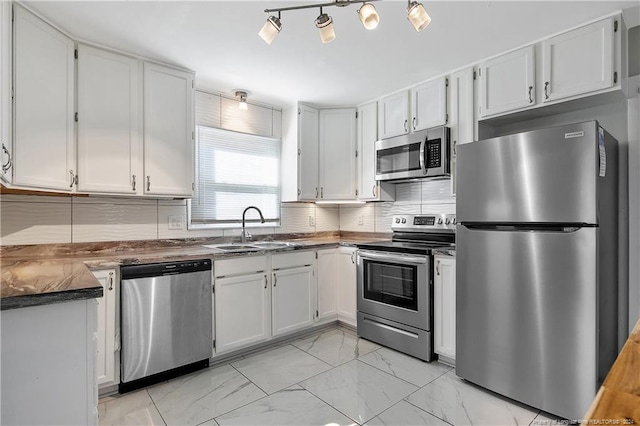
(293, 299)
(579, 61)
(444, 286)
(168, 131)
(393, 115)
(507, 82)
(106, 361)
(44, 141)
(338, 154)
(429, 104)
(108, 133)
(308, 120)
(327, 276)
(346, 282)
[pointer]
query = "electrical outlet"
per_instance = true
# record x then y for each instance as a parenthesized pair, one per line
(312, 220)
(360, 220)
(176, 222)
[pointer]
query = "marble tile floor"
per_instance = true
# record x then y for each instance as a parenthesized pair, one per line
(330, 378)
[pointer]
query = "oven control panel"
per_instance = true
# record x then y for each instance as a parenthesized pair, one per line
(424, 222)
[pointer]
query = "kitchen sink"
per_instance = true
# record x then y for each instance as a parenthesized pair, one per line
(258, 245)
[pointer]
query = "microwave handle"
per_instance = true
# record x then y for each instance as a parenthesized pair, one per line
(422, 162)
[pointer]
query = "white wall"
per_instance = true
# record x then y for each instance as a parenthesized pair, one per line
(418, 197)
(28, 219)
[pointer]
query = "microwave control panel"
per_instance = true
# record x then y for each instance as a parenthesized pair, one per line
(433, 154)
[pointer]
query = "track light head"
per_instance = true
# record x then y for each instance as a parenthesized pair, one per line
(271, 29)
(324, 23)
(369, 16)
(418, 16)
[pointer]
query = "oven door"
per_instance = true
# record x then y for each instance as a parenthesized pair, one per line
(395, 286)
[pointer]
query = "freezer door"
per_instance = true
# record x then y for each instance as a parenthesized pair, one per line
(166, 323)
(540, 176)
(526, 316)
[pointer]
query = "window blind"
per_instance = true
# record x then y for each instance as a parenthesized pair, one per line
(234, 171)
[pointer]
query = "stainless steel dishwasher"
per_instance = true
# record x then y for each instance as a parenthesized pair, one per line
(166, 324)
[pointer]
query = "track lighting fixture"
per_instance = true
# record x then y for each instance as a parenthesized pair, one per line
(242, 94)
(416, 14)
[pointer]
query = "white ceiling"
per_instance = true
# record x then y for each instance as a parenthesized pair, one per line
(218, 40)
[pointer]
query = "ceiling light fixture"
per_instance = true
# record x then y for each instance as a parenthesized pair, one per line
(271, 28)
(367, 13)
(417, 15)
(242, 94)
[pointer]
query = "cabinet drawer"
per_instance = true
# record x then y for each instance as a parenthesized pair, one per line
(291, 260)
(240, 266)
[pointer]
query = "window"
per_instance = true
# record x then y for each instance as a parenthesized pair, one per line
(234, 171)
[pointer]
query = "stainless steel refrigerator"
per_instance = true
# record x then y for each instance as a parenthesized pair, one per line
(537, 280)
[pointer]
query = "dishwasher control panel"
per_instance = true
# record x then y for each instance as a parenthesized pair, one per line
(169, 268)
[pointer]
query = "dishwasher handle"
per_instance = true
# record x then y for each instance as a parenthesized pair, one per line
(160, 269)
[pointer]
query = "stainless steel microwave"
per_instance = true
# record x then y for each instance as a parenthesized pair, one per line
(416, 155)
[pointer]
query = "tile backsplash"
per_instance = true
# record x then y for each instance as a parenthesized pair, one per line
(26, 219)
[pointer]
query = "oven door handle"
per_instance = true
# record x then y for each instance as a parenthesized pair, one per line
(392, 257)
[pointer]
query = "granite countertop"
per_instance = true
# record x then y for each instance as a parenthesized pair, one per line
(618, 400)
(40, 275)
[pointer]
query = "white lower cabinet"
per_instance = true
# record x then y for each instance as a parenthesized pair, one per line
(327, 274)
(107, 362)
(293, 300)
(444, 292)
(346, 285)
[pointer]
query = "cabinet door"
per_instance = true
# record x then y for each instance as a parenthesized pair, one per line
(429, 104)
(347, 302)
(294, 301)
(393, 115)
(444, 293)
(108, 105)
(44, 143)
(461, 120)
(507, 82)
(168, 131)
(242, 311)
(106, 371)
(308, 187)
(5, 91)
(579, 61)
(327, 274)
(338, 154)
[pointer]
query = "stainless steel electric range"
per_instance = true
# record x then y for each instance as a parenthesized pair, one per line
(395, 284)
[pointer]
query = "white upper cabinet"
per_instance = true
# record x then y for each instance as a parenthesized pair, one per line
(507, 82)
(429, 104)
(308, 122)
(393, 115)
(5, 92)
(462, 121)
(168, 131)
(579, 61)
(44, 142)
(338, 154)
(369, 189)
(109, 143)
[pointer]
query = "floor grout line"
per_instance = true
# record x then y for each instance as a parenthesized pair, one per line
(428, 412)
(156, 407)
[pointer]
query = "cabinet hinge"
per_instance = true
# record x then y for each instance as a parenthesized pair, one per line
(446, 82)
(316, 255)
(446, 118)
(214, 343)
(213, 288)
(193, 186)
(76, 117)
(356, 114)
(615, 26)
(299, 192)
(356, 154)
(474, 75)
(299, 111)
(615, 77)
(193, 136)
(12, 15)
(479, 72)
(75, 53)
(356, 192)
(299, 151)
(317, 314)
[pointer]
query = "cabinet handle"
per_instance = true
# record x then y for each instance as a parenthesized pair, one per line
(352, 260)
(110, 281)
(148, 183)
(275, 279)
(405, 125)
(322, 192)
(6, 166)
(74, 178)
(265, 280)
(546, 87)
(414, 123)
(133, 182)
(530, 98)
(438, 267)
(373, 190)
(455, 144)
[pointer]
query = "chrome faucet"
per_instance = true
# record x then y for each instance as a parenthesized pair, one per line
(244, 233)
